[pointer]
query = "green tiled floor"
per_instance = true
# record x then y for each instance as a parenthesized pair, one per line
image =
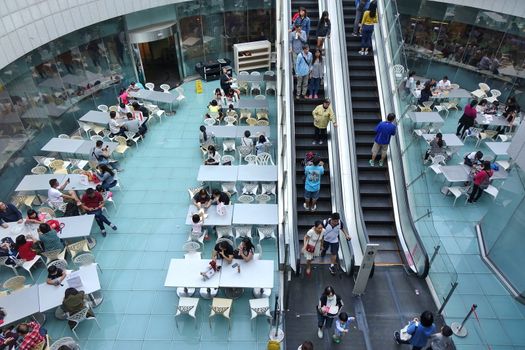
(138, 311)
(501, 318)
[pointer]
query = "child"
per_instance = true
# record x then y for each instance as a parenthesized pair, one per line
(218, 94)
(231, 111)
(196, 226)
(342, 325)
(441, 341)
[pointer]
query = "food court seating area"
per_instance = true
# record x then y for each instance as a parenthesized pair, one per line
(125, 272)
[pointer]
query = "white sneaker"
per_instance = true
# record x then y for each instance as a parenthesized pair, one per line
(321, 142)
(320, 333)
(305, 206)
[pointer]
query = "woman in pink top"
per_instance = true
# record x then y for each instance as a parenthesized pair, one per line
(467, 120)
(123, 97)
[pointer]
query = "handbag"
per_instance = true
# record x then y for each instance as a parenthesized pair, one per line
(310, 248)
(56, 225)
(221, 209)
(404, 336)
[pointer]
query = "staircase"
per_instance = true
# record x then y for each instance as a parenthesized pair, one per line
(374, 186)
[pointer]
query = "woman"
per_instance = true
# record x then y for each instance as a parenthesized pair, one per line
(123, 97)
(316, 74)
(213, 157)
(367, 28)
(49, 238)
(303, 21)
(410, 84)
(245, 250)
(24, 248)
(437, 146)
(214, 110)
(426, 93)
(420, 330)
(329, 306)
(106, 176)
(473, 158)
(323, 30)
(205, 138)
(34, 218)
(468, 118)
(313, 244)
(202, 199)
(73, 302)
(481, 182)
(262, 145)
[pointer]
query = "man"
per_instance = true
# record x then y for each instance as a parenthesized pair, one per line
(202, 199)
(31, 334)
(360, 7)
(9, 213)
(92, 203)
(384, 131)
(333, 225)
(115, 127)
(226, 82)
(322, 114)
(312, 183)
(302, 71)
(133, 125)
(297, 40)
(57, 198)
(101, 155)
(443, 84)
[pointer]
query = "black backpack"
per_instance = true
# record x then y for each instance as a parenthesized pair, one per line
(71, 209)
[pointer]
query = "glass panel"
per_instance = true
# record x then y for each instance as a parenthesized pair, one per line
(190, 27)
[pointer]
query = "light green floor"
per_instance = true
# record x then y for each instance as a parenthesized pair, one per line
(501, 318)
(138, 311)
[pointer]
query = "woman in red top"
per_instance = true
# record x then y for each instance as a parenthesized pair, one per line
(481, 182)
(468, 118)
(23, 247)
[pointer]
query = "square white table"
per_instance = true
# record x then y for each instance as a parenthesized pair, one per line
(87, 147)
(186, 273)
(221, 173)
(15, 229)
(77, 182)
(38, 182)
(20, 304)
(76, 226)
(455, 173)
(224, 131)
(426, 117)
(213, 218)
(52, 296)
(255, 131)
(266, 173)
(62, 145)
(254, 274)
(96, 117)
(156, 96)
(498, 148)
(451, 140)
(250, 103)
(255, 214)
(491, 120)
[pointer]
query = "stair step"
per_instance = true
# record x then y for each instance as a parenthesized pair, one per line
(363, 85)
(372, 176)
(387, 258)
(376, 201)
(385, 243)
(380, 230)
(378, 216)
(362, 74)
(363, 95)
(369, 106)
(374, 189)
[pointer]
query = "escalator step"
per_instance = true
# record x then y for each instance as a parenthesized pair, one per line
(374, 189)
(380, 230)
(386, 243)
(378, 216)
(371, 201)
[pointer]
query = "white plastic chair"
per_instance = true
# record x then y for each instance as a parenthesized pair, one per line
(230, 121)
(472, 132)
(263, 122)
(165, 88)
(187, 306)
(456, 191)
(60, 264)
(262, 198)
(255, 87)
(150, 86)
(266, 231)
(221, 307)
(102, 108)
(96, 138)
(77, 248)
(264, 158)
(492, 191)
(494, 96)
(228, 145)
(14, 283)
(242, 231)
(85, 127)
(250, 188)
(52, 255)
(159, 114)
(260, 97)
(437, 161)
(131, 136)
(39, 170)
(224, 231)
(481, 92)
(399, 70)
(251, 159)
(245, 199)
(227, 159)
(63, 136)
(268, 188)
(229, 187)
(63, 341)
(80, 316)
(210, 121)
(244, 73)
(442, 107)
(181, 96)
(260, 307)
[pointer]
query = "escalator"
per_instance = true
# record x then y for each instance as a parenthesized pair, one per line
(304, 135)
(374, 185)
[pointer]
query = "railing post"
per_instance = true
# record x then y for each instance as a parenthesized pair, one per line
(459, 329)
(436, 251)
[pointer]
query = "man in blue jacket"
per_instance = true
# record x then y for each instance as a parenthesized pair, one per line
(9, 213)
(420, 330)
(384, 131)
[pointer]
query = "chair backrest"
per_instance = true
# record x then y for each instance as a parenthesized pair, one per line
(243, 230)
(51, 255)
(260, 97)
(80, 246)
(263, 122)
(79, 316)
(250, 187)
(84, 259)
(165, 87)
(245, 199)
(251, 159)
(268, 188)
(121, 140)
(266, 230)
(224, 239)
(130, 134)
(264, 158)
(61, 264)
(229, 187)
(223, 231)
(150, 86)
(113, 108)
(243, 73)
(96, 138)
(227, 158)
(398, 69)
(251, 121)
(102, 108)
(190, 247)
(62, 341)
(438, 159)
(255, 73)
(63, 136)
(56, 164)
(14, 283)
(269, 72)
(495, 93)
(210, 121)
(484, 87)
(39, 170)
(230, 120)
(263, 198)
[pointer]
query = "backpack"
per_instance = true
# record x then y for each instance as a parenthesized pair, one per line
(71, 209)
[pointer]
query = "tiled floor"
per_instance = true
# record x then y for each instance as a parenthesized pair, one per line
(138, 311)
(500, 319)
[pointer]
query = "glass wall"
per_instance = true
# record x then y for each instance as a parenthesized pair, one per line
(469, 45)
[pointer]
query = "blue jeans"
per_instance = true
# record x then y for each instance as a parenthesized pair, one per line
(314, 86)
(100, 218)
(106, 186)
(366, 36)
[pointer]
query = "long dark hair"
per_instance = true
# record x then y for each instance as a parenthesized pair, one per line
(320, 58)
(105, 169)
(20, 241)
(248, 245)
(439, 136)
(373, 9)
(202, 128)
(324, 18)
(212, 150)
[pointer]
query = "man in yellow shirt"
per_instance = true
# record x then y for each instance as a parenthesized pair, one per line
(322, 114)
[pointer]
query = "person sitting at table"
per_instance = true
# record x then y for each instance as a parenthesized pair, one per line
(106, 176)
(122, 110)
(492, 108)
(226, 82)
(101, 155)
(481, 182)
(24, 247)
(231, 112)
(223, 250)
(246, 140)
(30, 332)
(202, 199)
(220, 197)
(56, 197)
(49, 238)
(467, 119)
(55, 276)
(437, 146)
(92, 203)
(473, 158)
(482, 106)
(443, 84)
(426, 93)
(262, 145)
(73, 302)
(218, 94)
(214, 110)
(7, 248)
(9, 213)
(232, 94)
(245, 250)
(133, 87)
(213, 157)
(123, 97)
(410, 84)
(8, 338)
(206, 138)
(34, 218)
(143, 110)
(116, 128)
(133, 124)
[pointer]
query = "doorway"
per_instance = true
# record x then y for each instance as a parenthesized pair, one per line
(160, 63)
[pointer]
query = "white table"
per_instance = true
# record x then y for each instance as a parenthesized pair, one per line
(226, 131)
(252, 103)
(266, 173)
(455, 173)
(255, 214)
(96, 117)
(221, 173)
(213, 218)
(78, 182)
(15, 229)
(426, 117)
(498, 148)
(38, 182)
(491, 120)
(454, 93)
(254, 274)
(62, 145)
(76, 226)
(186, 273)
(20, 304)
(52, 296)
(451, 140)
(155, 96)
